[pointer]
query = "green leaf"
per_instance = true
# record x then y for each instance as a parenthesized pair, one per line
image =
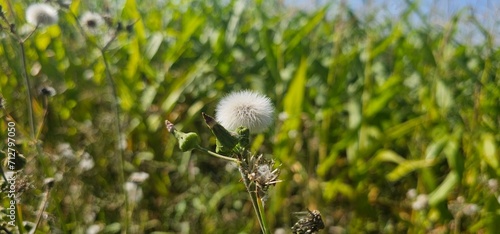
(382, 46)
(443, 190)
(444, 96)
(407, 167)
(306, 29)
(225, 140)
(147, 97)
(435, 148)
(153, 45)
(488, 150)
(404, 128)
(388, 156)
(294, 98)
(332, 188)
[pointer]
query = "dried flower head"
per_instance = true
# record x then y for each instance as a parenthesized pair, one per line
(262, 174)
(245, 108)
(311, 223)
(91, 21)
(48, 91)
(41, 14)
(461, 207)
(3, 103)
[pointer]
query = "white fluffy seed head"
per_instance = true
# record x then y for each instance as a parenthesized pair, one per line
(41, 14)
(91, 21)
(245, 108)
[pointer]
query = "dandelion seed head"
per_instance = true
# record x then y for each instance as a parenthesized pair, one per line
(41, 14)
(245, 108)
(48, 91)
(91, 21)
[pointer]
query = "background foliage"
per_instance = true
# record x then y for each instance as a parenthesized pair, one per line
(367, 109)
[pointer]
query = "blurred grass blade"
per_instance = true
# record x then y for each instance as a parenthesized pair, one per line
(444, 189)
(294, 98)
(407, 167)
(153, 45)
(306, 29)
(488, 150)
(388, 156)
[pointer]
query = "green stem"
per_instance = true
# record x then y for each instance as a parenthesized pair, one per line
(119, 131)
(28, 91)
(259, 210)
(262, 213)
(217, 155)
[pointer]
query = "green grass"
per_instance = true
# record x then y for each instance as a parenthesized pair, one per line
(366, 110)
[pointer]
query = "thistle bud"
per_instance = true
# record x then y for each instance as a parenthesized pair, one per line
(187, 141)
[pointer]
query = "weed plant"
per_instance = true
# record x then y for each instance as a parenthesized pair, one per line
(382, 125)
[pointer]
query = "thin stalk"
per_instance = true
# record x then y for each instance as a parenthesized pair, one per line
(259, 211)
(217, 155)
(41, 209)
(19, 219)
(28, 90)
(116, 110)
(258, 208)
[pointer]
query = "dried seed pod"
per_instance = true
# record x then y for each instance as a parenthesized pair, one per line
(309, 224)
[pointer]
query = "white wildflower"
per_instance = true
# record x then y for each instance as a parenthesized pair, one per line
(86, 162)
(91, 21)
(245, 108)
(470, 209)
(134, 192)
(94, 229)
(493, 185)
(41, 14)
(65, 150)
(138, 177)
(421, 202)
(411, 194)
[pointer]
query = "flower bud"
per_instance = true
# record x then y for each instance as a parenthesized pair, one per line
(225, 140)
(187, 141)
